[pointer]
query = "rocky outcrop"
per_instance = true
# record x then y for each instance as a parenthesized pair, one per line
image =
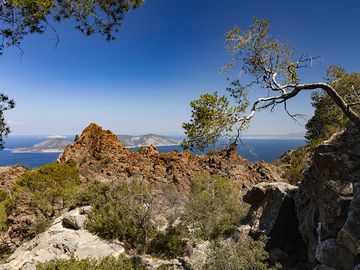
(272, 213)
(62, 241)
(328, 200)
(101, 156)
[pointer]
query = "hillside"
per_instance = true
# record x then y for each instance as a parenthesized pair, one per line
(116, 195)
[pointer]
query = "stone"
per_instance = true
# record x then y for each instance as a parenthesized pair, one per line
(74, 219)
(333, 254)
(266, 200)
(349, 234)
(197, 255)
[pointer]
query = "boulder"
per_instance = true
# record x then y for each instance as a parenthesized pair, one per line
(266, 200)
(272, 213)
(75, 219)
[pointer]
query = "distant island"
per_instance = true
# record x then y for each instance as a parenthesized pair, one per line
(53, 145)
(57, 144)
(290, 136)
(146, 140)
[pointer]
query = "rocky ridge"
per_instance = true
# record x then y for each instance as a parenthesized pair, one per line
(101, 156)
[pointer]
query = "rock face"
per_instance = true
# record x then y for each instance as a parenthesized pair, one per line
(272, 213)
(328, 200)
(101, 156)
(61, 241)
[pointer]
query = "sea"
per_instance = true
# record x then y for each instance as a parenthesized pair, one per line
(252, 149)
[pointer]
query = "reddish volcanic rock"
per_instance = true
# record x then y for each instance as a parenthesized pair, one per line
(101, 156)
(8, 176)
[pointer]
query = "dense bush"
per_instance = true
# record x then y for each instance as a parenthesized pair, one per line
(169, 244)
(48, 188)
(108, 263)
(244, 254)
(213, 207)
(38, 227)
(6, 206)
(123, 211)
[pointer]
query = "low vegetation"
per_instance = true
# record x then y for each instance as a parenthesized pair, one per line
(48, 188)
(244, 254)
(169, 244)
(86, 264)
(6, 205)
(123, 211)
(213, 207)
(45, 190)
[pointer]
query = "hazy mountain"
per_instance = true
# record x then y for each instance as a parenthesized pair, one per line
(50, 145)
(146, 140)
(299, 135)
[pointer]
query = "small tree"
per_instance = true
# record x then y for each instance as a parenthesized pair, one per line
(212, 118)
(271, 66)
(213, 207)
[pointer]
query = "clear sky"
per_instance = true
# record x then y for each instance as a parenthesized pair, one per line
(167, 53)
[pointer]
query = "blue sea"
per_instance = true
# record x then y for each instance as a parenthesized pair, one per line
(252, 149)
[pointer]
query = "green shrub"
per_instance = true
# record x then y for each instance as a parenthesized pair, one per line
(213, 207)
(169, 244)
(97, 156)
(48, 188)
(123, 211)
(108, 263)
(244, 254)
(6, 206)
(38, 227)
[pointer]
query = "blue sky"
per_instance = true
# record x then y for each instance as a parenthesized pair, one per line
(167, 53)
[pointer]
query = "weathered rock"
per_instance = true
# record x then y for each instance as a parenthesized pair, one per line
(326, 193)
(333, 254)
(266, 200)
(61, 242)
(349, 234)
(272, 213)
(197, 255)
(76, 220)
